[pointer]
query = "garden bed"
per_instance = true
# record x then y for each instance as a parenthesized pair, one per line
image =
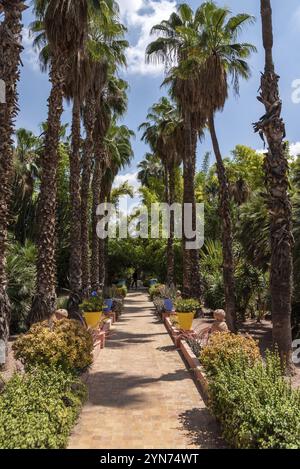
(190, 357)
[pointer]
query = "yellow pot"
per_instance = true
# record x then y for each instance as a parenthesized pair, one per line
(93, 319)
(185, 320)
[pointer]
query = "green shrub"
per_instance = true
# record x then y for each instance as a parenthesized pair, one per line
(224, 347)
(156, 291)
(94, 304)
(39, 409)
(66, 343)
(255, 405)
(21, 275)
(186, 306)
(121, 292)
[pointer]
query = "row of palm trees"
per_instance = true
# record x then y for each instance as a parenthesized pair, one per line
(203, 56)
(82, 45)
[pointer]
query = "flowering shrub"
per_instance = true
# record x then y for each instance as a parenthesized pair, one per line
(224, 347)
(66, 344)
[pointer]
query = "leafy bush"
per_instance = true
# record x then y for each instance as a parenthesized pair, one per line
(186, 306)
(156, 291)
(255, 405)
(38, 409)
(21, 274)
(121, 292)
(66, 343)
(223, 348)
(94, 304)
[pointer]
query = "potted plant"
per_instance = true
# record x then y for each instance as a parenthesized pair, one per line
(185, 312)
(92, 310)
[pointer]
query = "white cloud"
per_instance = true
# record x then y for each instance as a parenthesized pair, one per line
(126, 204)
(294, 149)
(139, 16)
(29, 55)
(131, 178)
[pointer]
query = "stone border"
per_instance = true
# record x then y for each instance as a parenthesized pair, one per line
(190, 357)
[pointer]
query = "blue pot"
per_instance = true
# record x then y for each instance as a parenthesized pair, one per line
(152, 282)
(108, 303)
(168, 304)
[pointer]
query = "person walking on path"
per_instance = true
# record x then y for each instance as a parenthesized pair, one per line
(134, 283)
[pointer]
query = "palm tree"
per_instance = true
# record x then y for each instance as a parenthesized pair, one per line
(89, 112)
(65, 26)
(163, 132)
(171, 49)
(205, 48)
(25, 181)
(112, 104)
(119, 151)
(10, 49)
(222, 56)
(76, 88)
(150, 168)
(271, 127)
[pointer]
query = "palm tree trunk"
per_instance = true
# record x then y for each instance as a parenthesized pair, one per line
(89, 122)
(192, 287)
(170, 246)
(10, 49)
(96, 188)
(276, 170)
(102, 250)
(75, 234)
(225, 215)
(106, 279)
(44, 300)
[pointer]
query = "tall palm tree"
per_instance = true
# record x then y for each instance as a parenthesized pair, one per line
(163, 132)
(65, 26)
(10, 49)
(120, 153)
(171, 49)
(89, 113)
(204, 46)
(111, 104)
(271, 127)
(221, 57)
(76, 88)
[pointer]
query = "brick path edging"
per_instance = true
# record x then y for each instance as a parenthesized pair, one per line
(194, 363)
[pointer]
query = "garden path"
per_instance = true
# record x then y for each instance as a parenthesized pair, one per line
(140, 393)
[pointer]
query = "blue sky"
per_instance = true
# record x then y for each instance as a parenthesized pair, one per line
(233, 125)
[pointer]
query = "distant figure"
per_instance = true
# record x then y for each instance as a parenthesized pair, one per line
(134, 280)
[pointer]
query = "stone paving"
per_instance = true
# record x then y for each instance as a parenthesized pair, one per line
(141, 396)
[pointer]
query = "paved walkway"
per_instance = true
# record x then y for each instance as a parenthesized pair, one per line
(140, 393)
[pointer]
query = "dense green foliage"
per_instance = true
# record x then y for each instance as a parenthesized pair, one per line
(255, 405)
(94, 304)
(38, 409)
(65, 343)
(21, 273)
(186, 306)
